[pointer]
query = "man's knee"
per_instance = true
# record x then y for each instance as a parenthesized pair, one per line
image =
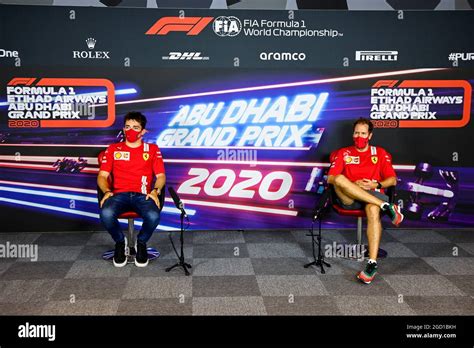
(372, 210)
(152, 217)
(339, 179)
(107, 213)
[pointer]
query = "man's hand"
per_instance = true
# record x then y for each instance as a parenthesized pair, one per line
(366, 184)
(107, 195)
(154, 195)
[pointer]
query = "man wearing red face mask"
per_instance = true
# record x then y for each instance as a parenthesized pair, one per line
(134, 165)
(359, 174)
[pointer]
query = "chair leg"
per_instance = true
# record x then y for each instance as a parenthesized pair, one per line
(359, 230)
(130, 237)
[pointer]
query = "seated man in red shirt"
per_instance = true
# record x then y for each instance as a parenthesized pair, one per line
(133, 165)
(359, 174)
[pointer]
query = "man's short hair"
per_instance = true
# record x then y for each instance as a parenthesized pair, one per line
(366, 121)
(136, 116)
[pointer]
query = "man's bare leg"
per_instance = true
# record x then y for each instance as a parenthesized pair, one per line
(342, 196)
(374, 229)
(374, 233)
(351, 190)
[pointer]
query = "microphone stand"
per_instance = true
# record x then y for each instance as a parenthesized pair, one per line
(319, 261)
(181, 263)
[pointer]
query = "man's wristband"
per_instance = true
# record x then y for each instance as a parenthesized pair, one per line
(379, 185)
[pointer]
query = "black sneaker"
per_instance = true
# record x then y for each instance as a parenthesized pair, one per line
(141, 258)
(120, 259)
(368, 274)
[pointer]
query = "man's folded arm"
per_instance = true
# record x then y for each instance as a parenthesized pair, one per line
(390, 181)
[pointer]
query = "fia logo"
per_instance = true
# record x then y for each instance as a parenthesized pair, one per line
(227, 26)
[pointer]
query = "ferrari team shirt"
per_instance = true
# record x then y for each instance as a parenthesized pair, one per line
(374, 164)
(133, 169)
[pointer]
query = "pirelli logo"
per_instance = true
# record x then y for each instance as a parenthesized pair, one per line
(371, 56)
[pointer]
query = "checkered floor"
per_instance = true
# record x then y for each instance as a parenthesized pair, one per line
(240, 273)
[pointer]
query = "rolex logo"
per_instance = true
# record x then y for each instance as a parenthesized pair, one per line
(91, 43)
(91, 54)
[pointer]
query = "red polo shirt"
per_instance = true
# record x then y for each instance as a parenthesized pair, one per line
(373, 164)
(132, 169)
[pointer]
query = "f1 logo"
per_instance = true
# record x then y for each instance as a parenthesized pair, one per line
(191, 25)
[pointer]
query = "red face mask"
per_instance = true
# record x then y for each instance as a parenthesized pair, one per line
(132, 135)
(360, 142)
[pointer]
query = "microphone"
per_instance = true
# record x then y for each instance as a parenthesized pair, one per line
(177, 200)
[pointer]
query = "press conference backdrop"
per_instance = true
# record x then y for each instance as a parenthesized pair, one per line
(246, 107)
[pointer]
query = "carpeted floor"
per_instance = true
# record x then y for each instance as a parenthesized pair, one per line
(240, 273)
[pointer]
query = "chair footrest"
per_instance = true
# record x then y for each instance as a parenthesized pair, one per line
(152, 254)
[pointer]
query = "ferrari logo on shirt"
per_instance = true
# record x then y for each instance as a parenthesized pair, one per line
(122, 156)
(146, 156)
(374, 159)
(352, 159)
